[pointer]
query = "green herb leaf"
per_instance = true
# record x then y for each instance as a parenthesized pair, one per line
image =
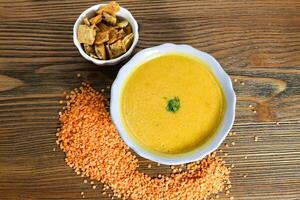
(173, 105)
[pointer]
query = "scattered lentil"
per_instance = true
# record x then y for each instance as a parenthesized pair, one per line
(53, 149)
(61, 102)
(94, 187)
(242, 83)
(82, 193)
(277, 123)
(225, 154)
(231, 198)
(94, 148)
(102, 90)
(78, 75)
(245, 176)
(158, 164)
(246, 157)
(235, 80)
(250, 106)
(255, 138)
(232, 143)
(149, 166)
(85, 181)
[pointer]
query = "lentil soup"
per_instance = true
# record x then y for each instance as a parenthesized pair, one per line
(172, 104)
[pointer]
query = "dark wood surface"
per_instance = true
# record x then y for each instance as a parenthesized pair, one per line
(257, 43)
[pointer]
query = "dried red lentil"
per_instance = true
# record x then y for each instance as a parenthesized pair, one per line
(94, 149)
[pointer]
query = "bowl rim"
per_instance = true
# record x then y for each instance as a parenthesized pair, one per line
(128, 17)
(222, 77)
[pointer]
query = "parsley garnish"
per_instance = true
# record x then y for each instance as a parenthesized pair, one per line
(173, 105)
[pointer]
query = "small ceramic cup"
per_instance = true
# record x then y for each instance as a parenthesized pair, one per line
(90, 12)
(217, 70)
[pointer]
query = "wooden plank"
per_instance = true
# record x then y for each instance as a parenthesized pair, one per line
(257, 43)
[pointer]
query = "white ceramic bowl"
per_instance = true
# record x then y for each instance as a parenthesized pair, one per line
(90, 12)
(220, 74)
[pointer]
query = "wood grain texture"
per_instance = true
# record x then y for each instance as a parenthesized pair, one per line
(257, 42)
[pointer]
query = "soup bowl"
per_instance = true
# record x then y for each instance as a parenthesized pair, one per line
(215, 68)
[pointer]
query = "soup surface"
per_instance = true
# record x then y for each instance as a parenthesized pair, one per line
(172, 104)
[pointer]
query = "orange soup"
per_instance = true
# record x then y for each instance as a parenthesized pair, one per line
(172, 104)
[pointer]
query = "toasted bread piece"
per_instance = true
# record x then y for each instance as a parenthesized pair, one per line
(95, 28)
(100, 51)
(103, 27)
(127, 41)
(86, 34)
(116, 35)
(95, 20)
(122, 24)
(86, 21)
(113, 33)
(109, 18)
(89, 49)
(111, 8)
(108, 50)
(102, 37)
(117, 49)
(128, 29)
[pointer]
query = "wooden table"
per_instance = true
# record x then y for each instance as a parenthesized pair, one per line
(257, 43)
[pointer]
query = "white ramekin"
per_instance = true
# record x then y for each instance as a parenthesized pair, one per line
(90, 12)
(220, 74)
